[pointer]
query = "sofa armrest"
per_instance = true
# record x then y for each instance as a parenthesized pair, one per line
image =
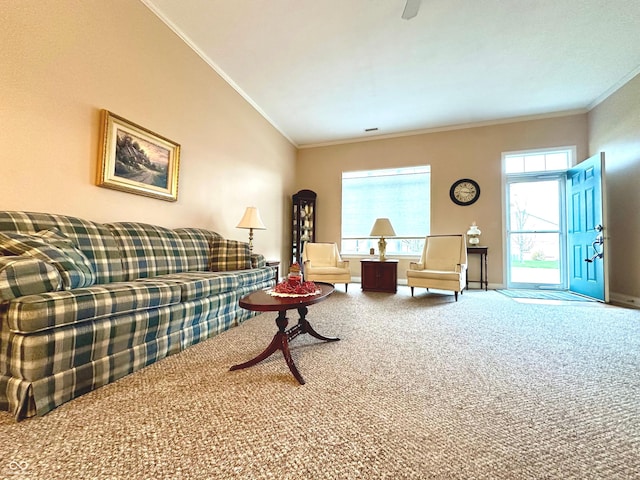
(21, 276)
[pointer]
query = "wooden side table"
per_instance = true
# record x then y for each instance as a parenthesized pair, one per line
(275, 263)
(482, 251)
(379, 276)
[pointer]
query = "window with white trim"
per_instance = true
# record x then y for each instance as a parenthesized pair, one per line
(537, 161)
(401, 194)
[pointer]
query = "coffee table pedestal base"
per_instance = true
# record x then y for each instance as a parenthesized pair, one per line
(281, 341)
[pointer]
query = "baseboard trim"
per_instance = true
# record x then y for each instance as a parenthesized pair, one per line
(619, 299)
(624, 300)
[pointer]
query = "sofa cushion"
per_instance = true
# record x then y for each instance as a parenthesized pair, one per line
(92, 239)
(195, 285)
(197, 246)
(253, 277)
(328, 271)
(55, 248)
(258, 260)
(21, 276)
(434, 274)
(148, 250)
(227, 255)
(34, 313)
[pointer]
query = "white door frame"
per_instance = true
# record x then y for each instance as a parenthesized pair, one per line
(505, 208)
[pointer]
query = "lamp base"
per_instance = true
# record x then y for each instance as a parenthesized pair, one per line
(251, 240)
(382, 248)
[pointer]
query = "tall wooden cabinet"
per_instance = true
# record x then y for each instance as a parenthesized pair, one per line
(303, 215)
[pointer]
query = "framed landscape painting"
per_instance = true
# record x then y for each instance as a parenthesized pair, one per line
(136, 160)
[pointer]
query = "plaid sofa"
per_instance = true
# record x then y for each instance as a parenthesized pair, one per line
(83, 304)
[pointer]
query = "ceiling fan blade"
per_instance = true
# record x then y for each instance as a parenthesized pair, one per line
(411, 9)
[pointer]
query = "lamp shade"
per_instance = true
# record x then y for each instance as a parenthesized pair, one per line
(251, 220)
(473, 230)
(382, 228)
(473, 234)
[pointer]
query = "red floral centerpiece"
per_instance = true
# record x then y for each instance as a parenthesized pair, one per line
(294, 286)
(295, 276)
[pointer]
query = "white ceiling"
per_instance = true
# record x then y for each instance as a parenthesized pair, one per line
(323, 71)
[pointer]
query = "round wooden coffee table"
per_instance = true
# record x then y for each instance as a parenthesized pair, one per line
(261, 301)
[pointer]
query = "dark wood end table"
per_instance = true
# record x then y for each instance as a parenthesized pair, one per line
(379, 276)
(276, 265)
(261, 301)
(484, 271)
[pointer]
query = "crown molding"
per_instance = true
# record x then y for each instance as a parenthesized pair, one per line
(185, 38)
(615, 87)
(446, 128)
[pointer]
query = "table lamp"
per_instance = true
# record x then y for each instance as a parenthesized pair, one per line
(251, 220)
(382, 228)
(474, 234)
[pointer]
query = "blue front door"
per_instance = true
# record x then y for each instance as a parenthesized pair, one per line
(585, 229)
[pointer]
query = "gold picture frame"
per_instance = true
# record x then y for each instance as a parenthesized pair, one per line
(134, 159)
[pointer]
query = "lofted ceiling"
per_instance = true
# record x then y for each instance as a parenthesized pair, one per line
(325, 71)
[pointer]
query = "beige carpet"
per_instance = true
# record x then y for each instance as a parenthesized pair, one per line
(424, 387)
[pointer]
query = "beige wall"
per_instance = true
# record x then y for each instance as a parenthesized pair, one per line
(465, 153)
(614, 128)
(64, 61)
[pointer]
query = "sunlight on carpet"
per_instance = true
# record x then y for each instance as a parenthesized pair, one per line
(545, 295)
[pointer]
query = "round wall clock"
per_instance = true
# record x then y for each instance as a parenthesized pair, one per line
(464, 191)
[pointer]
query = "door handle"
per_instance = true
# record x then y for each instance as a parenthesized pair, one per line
(598, 242)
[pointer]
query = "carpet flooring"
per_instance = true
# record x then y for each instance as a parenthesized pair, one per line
(545, 295)
(417, 388)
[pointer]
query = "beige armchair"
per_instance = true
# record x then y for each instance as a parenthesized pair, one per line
(443, 265)
(322, 263)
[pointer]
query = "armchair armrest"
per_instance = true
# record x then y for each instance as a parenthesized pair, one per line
(416, 266)
(343, 264)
